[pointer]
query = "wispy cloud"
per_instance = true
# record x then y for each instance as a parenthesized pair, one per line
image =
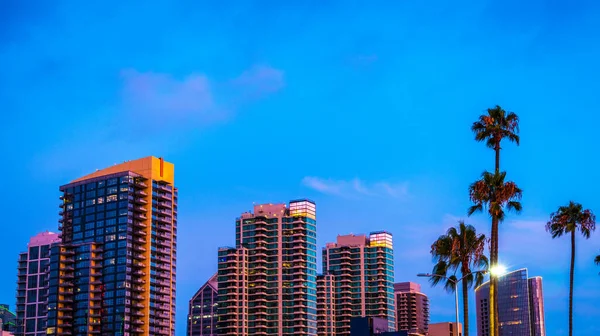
(156, 93)
(195, 98)
(259, 80)
(356, 187)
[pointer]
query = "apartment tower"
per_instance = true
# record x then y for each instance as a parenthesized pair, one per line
(32, 285)
(412, 309)
(363, 271)
(202, 311)
(520, 305)
(114, 271)
(326, 305)
(267, 282)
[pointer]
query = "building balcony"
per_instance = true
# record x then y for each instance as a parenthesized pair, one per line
(139, 224)
(139, 232)
(140, 184)
(138, 289)
(164, 219)
(139, 248)
(139, 200)
(163, 197)
(140, 216)
(167, 205)
(140, 240)
(141, 193)
(163, 227)
(140, 209)
(138, 256)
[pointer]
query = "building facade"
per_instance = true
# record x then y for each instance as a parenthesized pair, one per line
(113, 272)
(32, 285)
(445, 329)
(520, 305)
(326, 305)
(267, 282)
(363, 272)
(202, 311)
(412, 308)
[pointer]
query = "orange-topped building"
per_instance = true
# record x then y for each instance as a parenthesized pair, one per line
(114, 271)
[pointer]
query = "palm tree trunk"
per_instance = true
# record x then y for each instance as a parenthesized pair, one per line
(465, 293)
(494, 321)
(571, 283)
(497, 149)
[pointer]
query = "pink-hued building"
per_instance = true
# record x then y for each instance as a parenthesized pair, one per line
(412, 308)
(267, 282)
(445, 329)
(32, 283)
(362, 268)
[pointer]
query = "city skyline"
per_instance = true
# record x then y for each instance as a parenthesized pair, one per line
(370, 107)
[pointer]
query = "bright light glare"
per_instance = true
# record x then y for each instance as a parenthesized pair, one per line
(498, 270)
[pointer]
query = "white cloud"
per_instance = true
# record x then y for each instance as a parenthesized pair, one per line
(356, 187)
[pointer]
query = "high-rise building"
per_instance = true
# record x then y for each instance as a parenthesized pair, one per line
(363, 271)
(520, 305)
(202, 312)
(7, 319)
(445, 329)
(412, 308)
(326, 305)
(267, 282)
(114, 271)
(32, 284)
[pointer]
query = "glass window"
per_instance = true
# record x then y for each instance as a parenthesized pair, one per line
(32, 281)
(45, 251)
(30, 325)
(32, 296)
(34, 252)
(33, 267)
(30, 310)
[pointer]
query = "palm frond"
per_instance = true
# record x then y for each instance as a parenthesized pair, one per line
(569, 218)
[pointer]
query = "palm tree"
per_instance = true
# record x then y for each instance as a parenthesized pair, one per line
(459, 249)
(492, 128)
(567, 220)
(494, 194)
(495, 126)
(597, 260)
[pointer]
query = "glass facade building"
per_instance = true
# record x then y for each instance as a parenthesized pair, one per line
(32, 285)
(267, 282)
(113, 272)
(363, 272)
(202, 310)
(412, 308)
(520, 305)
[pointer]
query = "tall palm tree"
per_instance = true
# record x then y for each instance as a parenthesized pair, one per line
(569, 219)
(461, 249)
(492, 128)
(494, 194)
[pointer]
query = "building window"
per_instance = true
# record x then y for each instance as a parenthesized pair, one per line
(34, 252)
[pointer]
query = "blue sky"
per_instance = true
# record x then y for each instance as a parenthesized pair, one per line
(364, 108)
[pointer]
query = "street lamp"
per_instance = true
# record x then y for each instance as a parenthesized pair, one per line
(455, 283)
